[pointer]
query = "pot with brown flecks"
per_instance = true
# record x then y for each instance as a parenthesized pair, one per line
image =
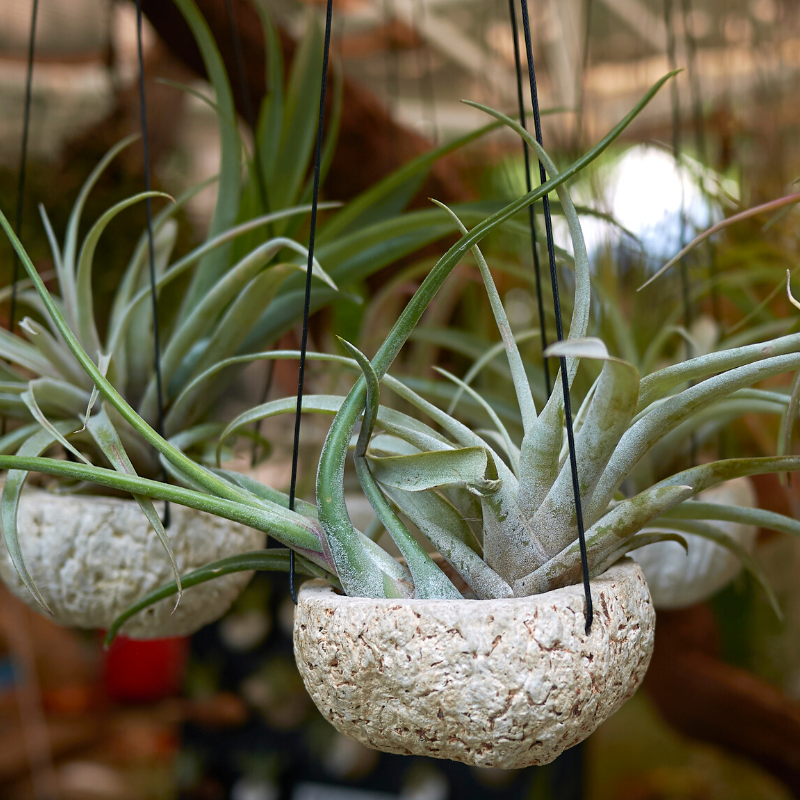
(92, 557)
(496, 683)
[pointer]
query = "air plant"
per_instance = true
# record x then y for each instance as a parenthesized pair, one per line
(500, 511)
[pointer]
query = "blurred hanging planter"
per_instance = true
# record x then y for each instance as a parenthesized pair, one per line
(678, 578)
(244, 293)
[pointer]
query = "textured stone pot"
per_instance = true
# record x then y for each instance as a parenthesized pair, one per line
(496, 683)
(678, 579)
(92, 557)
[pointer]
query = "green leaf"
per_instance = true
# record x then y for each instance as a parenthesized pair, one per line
(107, 438)
(606, 536)
(721, 538)
(607, 418)
(55, 352)
(227, 207)
(9, 502)
(429, 581)
(53, 432)
(445, 529)
(467, 467)
(634, 543)
(84, 303)
(740, 514)
(518, 374)
(274, 560)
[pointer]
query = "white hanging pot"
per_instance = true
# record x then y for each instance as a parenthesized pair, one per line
(495, 683)
(93, 557)
(678, 579)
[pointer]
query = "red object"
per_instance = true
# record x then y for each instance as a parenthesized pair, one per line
(143, 671)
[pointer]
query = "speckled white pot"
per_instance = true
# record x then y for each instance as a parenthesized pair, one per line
(495, 683)
(92, 557)
(678, 579)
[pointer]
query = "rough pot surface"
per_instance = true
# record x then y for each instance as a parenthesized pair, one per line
(496, 683)
(92, 557)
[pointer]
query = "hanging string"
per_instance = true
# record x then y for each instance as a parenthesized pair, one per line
(250, 119)
(150, 242)
(548, 225)
(426, 88)
(23, 162)
(307, 299)
(669, 23)
(528, 187)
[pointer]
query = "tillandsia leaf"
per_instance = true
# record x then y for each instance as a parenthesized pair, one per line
(511, 450)
(203, 319)
(745, 516)
(485, 359)
(721, 538)
(233, 327)
(634, 543)
(209, 481)
(58, 397)
(55, 352)
(134, 362)
(270, 124)
(291, 529)
(18, 351)
(541, 445)
(429, 581)
(273, 560)
(608, 417)
(395, 422)
(606, 536)
(30, 401)
(268, 493)
(34, 445)
(641, 437)
(465, 467)
(103, 361)
(68, 264)
(519, 376)
(103, 432)
(11, 441)
(330, 473)
(661, 383)
(445, 529)
(750, 212)
(785, 444)
(84, 302)
(133, 276)
(230, 175)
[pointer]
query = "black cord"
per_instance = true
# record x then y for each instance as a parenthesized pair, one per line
(534, 245)
(309, 266)
(23, 162)
(548, 224)
(150, 243)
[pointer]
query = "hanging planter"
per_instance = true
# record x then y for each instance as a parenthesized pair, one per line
(92, 557)
(679, 578)
(500, 683)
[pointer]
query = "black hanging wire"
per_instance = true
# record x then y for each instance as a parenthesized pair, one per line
(23, 160)
(528, 187)
(261, 184)
(548, 225)
(427, 91)
(669, 22)
(150, 242)
(309, 266)
(23, 164)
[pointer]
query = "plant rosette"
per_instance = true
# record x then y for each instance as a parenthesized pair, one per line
(680, 578)
(506, 683)
(92, 557)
